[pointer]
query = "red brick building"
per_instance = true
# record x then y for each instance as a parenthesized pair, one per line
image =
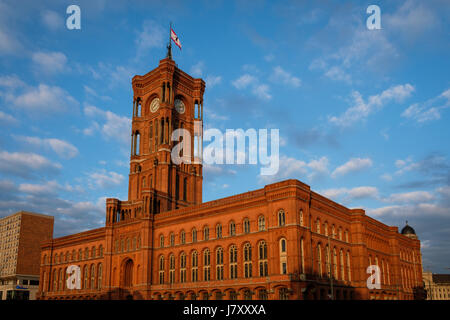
(280, 242)
(21, 237)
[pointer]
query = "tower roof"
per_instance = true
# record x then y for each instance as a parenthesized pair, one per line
(408, 230)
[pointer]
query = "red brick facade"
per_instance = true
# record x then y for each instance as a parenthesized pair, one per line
(271, 243)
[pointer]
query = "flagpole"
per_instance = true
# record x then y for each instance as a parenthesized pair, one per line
(169, 47)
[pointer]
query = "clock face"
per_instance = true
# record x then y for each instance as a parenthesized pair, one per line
(179, 106)
(154, 105)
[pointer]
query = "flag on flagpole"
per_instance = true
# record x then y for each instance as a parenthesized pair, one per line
(175, 39)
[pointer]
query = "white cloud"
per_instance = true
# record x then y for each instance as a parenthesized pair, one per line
(410, 197)
(11, 82)
(49, 187)
(346, 195)
(244, 81)
(281, 75)
(430, 110)
(353, 165)
(52, 20)
(262, 91)
(9, 43)
(361, 109)
(114, 127)
(411, 20)
(212, 81)
(386, 177)
(26, 164)
(105, 179)
(291, 168)
(6, 118)
(338, 74)
(62, 148)
(416, 210)
(49, 62)
(197, 69)
(151, 35)
(43, 99)
(406, 165)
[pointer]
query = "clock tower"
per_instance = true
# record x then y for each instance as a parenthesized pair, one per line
(165, 99)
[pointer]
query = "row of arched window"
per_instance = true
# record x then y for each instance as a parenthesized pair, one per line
(220, 264)
(128, 244)
(63, 257)
(91, 278)
(246, 228)
(409, 277)
(333, 232)
(335, 263)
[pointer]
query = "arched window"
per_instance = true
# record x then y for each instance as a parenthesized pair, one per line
(382, 271)
(262, 259)
(86, 253)
(101, 251)
(93, 286)
(172, 239)
(194, 266)
(218, 231)
(341, 263)
(232, 228)
(328, 261)
(349, 269)
(325, 229)
(100, 276)
(319, 260)
(161, 270)
(333, 231)
(301, 217)
(183, 267)
(171, 268)
(206, 265)
(318, 226)
(246, 225)
(387, 270)
(55, 281)
(261, 223)
(161, 241)
(183, 237)
(233, 262)
(281, 218)
(247, 260)
(194, 235)
(219, 264)
(346, 236)
(302, 255)
(128, 274)
(80, 254)
(283, 257)
(86, 277)
(340, 233)
(335, 266)
(206, 233)
(61, 278)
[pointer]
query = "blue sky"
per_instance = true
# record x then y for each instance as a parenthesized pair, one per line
(363, 114)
